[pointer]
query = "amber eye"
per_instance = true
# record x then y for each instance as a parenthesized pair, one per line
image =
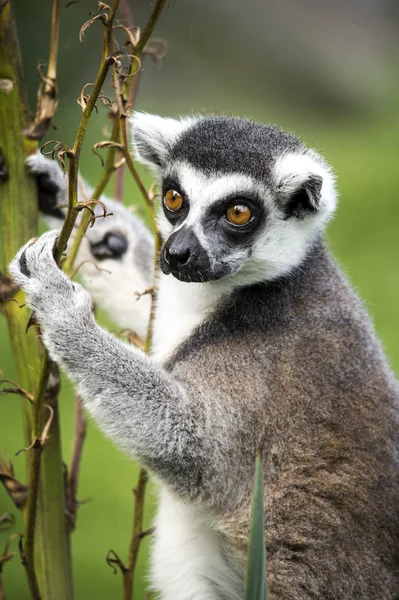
(239, 214)
(173, 200)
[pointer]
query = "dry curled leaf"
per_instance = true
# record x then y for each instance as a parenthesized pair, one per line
(112, 559)
(17, 389)
(133, 34)
(17, 491)
(89, 23)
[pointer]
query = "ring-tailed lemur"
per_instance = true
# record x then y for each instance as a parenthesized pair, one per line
(259, 342)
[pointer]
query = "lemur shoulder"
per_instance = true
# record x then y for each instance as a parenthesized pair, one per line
(259, 342)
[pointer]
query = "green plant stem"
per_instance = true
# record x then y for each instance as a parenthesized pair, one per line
(150, 26)
(18, 197)
(34, 481)
(47, 559)
(129, 91)
(30, 527)
(53, 53)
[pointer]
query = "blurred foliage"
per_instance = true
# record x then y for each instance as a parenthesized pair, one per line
(201, 74)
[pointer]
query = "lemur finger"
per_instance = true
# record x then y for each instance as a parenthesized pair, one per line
(18, 267)
(40, 165)
(35, 261)
(49, 292)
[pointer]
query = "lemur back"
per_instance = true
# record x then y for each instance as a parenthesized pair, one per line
(259, 343)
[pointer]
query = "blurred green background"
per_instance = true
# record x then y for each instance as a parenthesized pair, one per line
(329, 72)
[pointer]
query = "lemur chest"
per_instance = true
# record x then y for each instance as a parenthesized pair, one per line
(188, 558)
(181, 308)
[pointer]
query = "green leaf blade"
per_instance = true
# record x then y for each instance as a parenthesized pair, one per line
(255, 588)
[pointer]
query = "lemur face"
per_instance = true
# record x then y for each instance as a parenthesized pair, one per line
(237, 198)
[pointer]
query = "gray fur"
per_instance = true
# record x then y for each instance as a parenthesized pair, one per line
(290, 365)
(227, 144)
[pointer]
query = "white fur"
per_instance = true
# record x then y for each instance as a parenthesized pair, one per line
(156, 134)
(181, 307)
(292, 169)
(187, 561)
(115, 285)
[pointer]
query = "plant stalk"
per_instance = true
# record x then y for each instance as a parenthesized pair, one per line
(130, 566)
(47, 559)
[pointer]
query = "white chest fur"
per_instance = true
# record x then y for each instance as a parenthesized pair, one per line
(187, 558)
(181, 307)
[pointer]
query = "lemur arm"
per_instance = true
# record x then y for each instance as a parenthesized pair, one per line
(115, 256)
(167, 426)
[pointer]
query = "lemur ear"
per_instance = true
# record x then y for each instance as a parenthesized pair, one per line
(305, 186)
(154, 136)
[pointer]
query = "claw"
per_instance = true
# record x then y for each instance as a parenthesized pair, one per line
(31, 322)
(23, 265)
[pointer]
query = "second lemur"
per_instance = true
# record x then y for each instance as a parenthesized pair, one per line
(259, 342)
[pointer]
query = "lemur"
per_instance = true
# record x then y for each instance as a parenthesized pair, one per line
(259, 343)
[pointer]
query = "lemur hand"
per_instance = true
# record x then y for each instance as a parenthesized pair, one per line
(49, 292)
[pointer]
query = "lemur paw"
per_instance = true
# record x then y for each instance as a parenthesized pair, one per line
(109, 240)
(52, 185)
(49, 292)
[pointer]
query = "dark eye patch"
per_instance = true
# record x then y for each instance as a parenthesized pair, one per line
(215, 217)
(178, 216)
(114, 245)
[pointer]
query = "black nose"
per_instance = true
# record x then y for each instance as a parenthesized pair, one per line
(177, 256)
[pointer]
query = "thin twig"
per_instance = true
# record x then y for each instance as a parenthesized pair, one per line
(74, 154)
(18, 389)
(127, 99)
(73, 479)
(128, 22)
(157, 236)
(130, 566)
(108, 170)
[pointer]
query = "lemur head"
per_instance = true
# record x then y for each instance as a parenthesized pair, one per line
(238, 198)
